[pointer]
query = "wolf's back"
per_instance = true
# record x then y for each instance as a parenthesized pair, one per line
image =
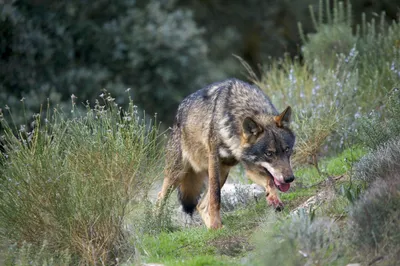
(231, 98)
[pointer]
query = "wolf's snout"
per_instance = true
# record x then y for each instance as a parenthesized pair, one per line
(289, 179)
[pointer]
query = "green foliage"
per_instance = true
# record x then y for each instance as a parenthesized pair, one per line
(333, 36)
(383, 161)
(337, 165)
(371, 47)
(380, 126)
(27, 254)
(374, 219)
(351, 191)
(318, 97)
(51, 50)
(181, 244)
(72, 182)
(298, 240)
(342, 76)
(370, 234)
(200, 246)
(379, 60)
(374, 214)
(191, 246)
(205, 260)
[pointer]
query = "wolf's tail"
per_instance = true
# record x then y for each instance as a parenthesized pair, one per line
(189, 191)
(189, 202)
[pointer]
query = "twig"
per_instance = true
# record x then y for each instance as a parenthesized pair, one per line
(376, 260)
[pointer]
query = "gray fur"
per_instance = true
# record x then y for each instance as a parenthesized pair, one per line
(237, 122)
(223, 106)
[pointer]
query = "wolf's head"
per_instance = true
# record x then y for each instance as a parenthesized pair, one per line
(267, 145)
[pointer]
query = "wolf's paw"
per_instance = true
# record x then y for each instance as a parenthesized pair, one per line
(214, 222)
(275, 202)
(216, 225)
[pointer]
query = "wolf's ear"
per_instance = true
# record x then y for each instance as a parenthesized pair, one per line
(284, 117)
(250, 129)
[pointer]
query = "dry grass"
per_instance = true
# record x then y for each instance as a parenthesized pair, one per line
(73, 182)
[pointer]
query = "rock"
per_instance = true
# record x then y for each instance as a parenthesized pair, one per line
(233, 196)
(239, 195)
(317, 199)
(183, 219)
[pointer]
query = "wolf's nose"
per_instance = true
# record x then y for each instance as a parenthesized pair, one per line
(289, 179)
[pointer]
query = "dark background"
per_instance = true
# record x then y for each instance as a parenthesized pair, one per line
(162, 50)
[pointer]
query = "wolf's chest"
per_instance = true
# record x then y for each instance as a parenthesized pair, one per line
(227, 157)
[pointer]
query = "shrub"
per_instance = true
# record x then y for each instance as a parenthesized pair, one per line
(378, 62)
(319, 97)
(333, 36)
(342, 76)
(382, 162)
(374, 218)
(52, 50)
(373, 45)
(380, 125)
(27, 254)
(72, 182)
(299, 240)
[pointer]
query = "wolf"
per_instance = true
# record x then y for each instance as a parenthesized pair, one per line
(217, 127)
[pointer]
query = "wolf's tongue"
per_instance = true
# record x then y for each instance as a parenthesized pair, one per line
(282, 186)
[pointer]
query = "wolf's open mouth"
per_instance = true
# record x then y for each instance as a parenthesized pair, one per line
(281, 186)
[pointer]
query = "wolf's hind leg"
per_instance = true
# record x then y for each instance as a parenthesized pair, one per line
(174, 169)
(169, 185)
(173, 175)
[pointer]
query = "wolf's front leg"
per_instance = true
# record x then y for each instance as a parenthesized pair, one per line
(214, 189)
(271, 191)
(204, 205)
(203, 208)
(272, 195)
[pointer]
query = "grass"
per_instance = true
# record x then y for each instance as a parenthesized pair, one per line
(67, 185)
(232, 244)
(334, 166)
(183, 245)
(298, 239)
(199, 246)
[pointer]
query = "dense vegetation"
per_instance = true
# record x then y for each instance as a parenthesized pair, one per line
(76, 182)
(162, 50)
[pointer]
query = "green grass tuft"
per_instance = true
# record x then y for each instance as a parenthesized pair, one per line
(72, 182)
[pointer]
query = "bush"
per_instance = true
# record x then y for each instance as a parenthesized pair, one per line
(383, 162)
(372, 46)
(382, 125)
(72, 182)
(333, 37)
(374, 218)
(53, 50)
(320, 99)
(299, 240)
(27, 254)
(342, 76)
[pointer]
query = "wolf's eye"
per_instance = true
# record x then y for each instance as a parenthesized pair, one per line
(269, 153)
(287, 149)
